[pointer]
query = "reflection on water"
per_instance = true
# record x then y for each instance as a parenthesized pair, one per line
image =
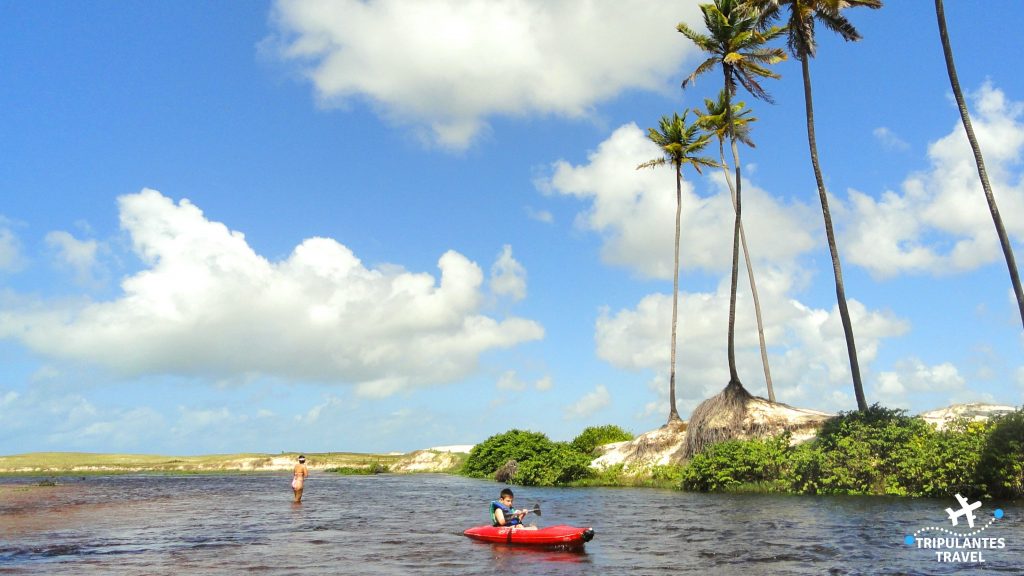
(413, 525)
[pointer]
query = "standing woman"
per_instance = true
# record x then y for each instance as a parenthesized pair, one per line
(299, 474)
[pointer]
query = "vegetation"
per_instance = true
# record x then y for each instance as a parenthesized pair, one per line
(877, 451)
(532, 459)
(370, 469)
(736, 462)
(1001, 467)
(594, 436)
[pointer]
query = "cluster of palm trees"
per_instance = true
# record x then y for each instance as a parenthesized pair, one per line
(736, 42)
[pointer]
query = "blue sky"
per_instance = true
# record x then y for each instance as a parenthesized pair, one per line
(377, 226)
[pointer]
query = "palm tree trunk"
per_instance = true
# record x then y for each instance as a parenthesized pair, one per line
(733, 374)
(1004, 240)
(734, 377)
(750, 276)
(837, 269)
(673, 414)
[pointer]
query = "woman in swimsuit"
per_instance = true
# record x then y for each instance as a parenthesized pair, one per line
(299, 474)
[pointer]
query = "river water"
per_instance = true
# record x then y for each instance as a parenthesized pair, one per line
(412, 524)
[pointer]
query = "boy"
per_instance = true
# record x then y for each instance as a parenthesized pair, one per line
(503, 514)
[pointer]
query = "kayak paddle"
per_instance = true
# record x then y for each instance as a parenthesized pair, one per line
(535, 510)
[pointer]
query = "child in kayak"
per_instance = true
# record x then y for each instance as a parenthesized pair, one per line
(503, 514)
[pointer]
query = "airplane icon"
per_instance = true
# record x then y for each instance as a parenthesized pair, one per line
(965, 510)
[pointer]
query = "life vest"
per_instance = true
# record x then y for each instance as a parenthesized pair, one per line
(510, 520)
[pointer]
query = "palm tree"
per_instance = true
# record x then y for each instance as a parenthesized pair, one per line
(802, 45)
(966, 118)
(680, 144)
(735, 41)
(713, 120)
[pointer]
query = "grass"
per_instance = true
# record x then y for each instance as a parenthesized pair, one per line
(85, 462)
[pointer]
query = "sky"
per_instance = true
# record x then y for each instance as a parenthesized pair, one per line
(382, 226)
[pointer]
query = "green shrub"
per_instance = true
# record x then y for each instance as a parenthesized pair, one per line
(560, 465)
(941, 464)
(733, 463)
(880, 451)
(859, 453)
(594, 436)
(614, 475)
(1001, 466)
(670, 474)
(369, 469)
(539, 461)
(519, 445)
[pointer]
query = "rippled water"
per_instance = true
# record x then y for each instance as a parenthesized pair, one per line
(413, 525)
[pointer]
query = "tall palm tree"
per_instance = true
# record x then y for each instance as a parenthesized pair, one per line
(1004, 240)
(803, 46)
(735, 41)
(713, 120)
(681, 145)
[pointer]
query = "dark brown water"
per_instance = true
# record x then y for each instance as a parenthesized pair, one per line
(388, 524)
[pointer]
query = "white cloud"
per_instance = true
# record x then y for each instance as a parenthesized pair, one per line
(8, 398)
(331, 403)
(10, 249)
(114, 428)
(939, 222)
(78, 255)
(889, 139)
(508, 276)
(207, 304)
(590, 403)
(44, 417)
(634, 211)
(193, 420)
(510, 381)
(913, 377)
(447, 66)
(807, 347)
(544, 216)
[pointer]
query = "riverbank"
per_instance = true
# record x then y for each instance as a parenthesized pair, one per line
(82, 463)
(971, 449)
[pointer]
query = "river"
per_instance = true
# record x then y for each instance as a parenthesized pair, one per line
(412, 524)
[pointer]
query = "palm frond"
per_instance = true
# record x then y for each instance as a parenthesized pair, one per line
(800, 40)
(680, 143)
(651, 163)
(701, 40)
(737, 31)
(751, 84)
(766, 55)
(840, 25)
(704, 67)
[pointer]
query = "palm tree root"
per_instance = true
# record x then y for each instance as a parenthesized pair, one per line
(719, 418)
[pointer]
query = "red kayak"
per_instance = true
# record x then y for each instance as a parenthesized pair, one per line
(569, 536)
